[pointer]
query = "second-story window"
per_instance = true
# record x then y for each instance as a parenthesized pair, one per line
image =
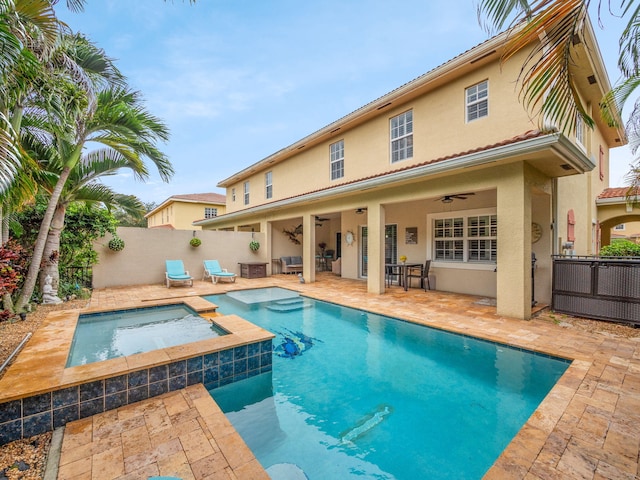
(268, 185)
(233, 194)
(477, 101)
(210, 212)
(246, 193)
(580, 130)
(402, 137)
(337, 159)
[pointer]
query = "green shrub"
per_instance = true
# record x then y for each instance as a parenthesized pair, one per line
(623, 248)
(116, 244)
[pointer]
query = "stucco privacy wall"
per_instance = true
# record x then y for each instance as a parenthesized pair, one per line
(142, 262)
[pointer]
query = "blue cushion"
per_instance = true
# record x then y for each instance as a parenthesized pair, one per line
(296, 260)
(286, 260)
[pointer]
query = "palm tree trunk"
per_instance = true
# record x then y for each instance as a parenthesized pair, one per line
(51, 255)
(38, 249)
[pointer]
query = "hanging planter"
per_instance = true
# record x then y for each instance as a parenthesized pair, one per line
(195, 242)
(116, 244)
(254, 245)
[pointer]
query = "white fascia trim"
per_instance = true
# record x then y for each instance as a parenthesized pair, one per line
(560, 144)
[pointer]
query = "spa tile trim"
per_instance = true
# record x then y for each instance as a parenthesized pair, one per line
(44, 412)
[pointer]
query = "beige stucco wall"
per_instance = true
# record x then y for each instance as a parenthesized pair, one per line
(440, 129)
(181, 215)
(143, 259)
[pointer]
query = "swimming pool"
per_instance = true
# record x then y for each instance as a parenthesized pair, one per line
(355, 394)
(101, 336)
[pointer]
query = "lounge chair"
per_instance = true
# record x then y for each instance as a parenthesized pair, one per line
(212, 269)
(176, 273)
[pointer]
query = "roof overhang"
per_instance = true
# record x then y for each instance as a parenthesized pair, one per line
(553, 154)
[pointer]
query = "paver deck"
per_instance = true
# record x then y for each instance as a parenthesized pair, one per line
(588, 427)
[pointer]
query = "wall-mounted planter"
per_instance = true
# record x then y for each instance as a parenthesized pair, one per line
(116, 244)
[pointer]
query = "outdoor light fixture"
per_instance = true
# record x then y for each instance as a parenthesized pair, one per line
(360, 211)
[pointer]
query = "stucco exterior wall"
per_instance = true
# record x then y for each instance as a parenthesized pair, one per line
(439, 129)
(180, 215)
(142, 261)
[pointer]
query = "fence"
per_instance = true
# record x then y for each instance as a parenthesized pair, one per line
(597, 287)
(81, 276)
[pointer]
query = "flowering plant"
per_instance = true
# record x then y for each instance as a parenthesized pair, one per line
(403, 258)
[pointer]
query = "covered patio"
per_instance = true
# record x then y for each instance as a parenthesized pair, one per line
(587, 427)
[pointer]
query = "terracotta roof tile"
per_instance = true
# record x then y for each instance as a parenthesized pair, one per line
(617, 192)
(201, 197)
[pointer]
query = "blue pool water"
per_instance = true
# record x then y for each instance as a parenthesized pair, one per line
(358, 395)
(101, 336)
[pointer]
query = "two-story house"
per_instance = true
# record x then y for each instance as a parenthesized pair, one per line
(178, 212)
(447, 167)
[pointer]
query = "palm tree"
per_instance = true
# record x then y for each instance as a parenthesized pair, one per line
(84, 186)
(127, 132)
(547, 86)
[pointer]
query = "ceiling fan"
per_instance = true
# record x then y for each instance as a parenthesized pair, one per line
(319, 219)
(360, 211)
(458, 196)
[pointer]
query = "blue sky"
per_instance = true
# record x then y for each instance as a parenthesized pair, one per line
(237, 80)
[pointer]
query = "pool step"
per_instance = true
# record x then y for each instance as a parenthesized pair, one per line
(287, 307)
(289, 301)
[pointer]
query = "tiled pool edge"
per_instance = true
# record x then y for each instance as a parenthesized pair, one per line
(44, 412)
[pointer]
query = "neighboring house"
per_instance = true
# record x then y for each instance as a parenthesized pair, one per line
(619, 216)
(447, 167)
(180, 211)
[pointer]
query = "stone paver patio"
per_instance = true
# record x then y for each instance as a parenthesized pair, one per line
(588, 427)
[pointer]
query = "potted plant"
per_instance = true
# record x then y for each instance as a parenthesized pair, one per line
(116, 244)
(403, 258)
(195, 242)
(254, 245)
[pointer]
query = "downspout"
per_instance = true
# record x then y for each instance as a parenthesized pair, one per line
(554, 216)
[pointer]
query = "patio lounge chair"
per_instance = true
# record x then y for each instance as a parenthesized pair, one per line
(212, 269)
(176, 273)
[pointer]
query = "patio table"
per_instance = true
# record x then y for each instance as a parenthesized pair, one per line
(402, 269)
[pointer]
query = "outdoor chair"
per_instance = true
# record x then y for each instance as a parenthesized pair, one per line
(213, 270)
(176, 273)
(420, 272)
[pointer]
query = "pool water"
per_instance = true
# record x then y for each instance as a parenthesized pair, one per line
(358, 395)
(101, 336)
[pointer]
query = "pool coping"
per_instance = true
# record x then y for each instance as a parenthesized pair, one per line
(40, 366)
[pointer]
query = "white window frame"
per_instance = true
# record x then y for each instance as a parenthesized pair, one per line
(580, 131)
(620, 227)
(268, 185)
(477, 96)
(336, 160)
(246, 192)
(466, 238)
(401, 137)
(210, 212)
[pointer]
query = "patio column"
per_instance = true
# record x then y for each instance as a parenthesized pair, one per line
(375, 248)
(308, 248)
(267, 228)
(513, 283)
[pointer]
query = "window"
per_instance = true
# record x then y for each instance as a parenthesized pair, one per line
(402, 137)
(246, 193)
(469, 239)
(268, 185)
(337, 159)
(210, 212)
(619, 227)
(390, 247)
(233, 194)
(579, 130)
(477, 101)
(601, 163)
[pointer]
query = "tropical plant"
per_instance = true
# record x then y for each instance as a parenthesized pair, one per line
(547, 85)
(128, 133)
(623, 248)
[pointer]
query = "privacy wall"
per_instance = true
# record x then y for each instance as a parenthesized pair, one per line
(142, 261)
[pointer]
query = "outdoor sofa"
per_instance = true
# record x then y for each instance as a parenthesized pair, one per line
(291, 264)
